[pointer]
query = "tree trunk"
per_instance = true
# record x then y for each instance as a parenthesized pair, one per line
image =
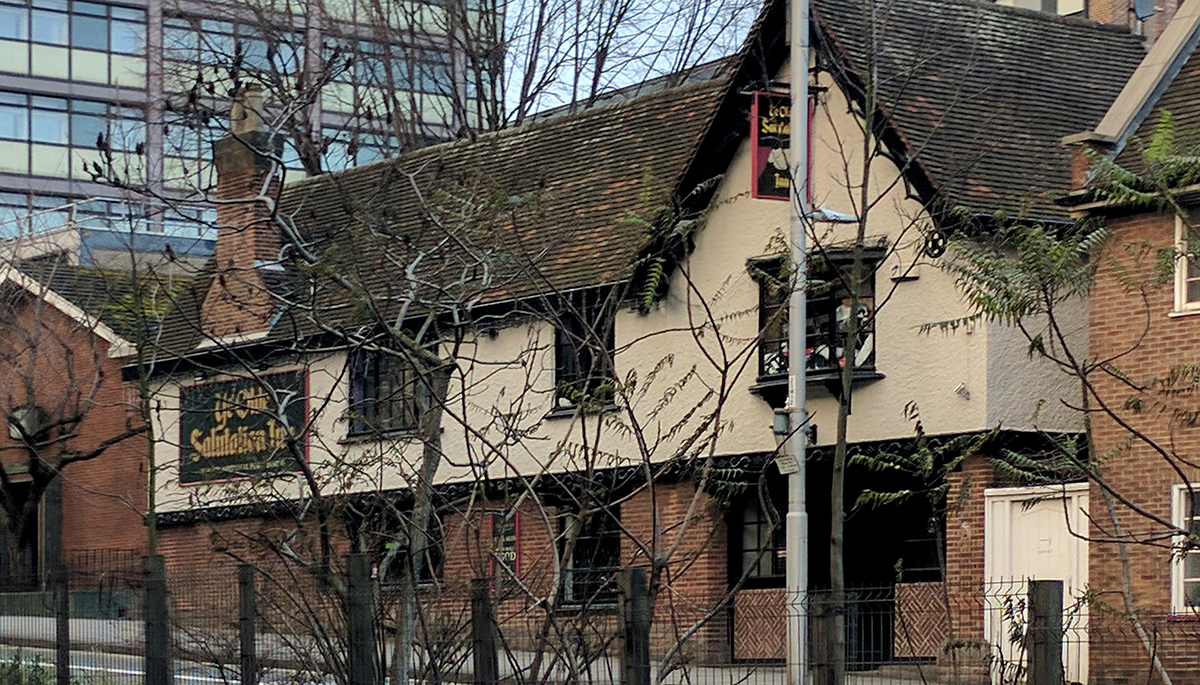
(430, 427)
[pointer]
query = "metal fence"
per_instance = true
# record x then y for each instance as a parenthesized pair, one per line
(283, 624)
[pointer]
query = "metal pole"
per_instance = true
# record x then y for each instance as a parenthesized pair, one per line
(796, 530)
(247, 619)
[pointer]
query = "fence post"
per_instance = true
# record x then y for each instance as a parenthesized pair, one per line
(360, 607)
(247, 613)
(159, 670)
(62, 626)
(52, 501)
(483, 634)
(820, 627)
(635, 618)
(1045, 632)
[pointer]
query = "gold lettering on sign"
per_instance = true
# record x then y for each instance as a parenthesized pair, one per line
(777, 121)
(221, 441)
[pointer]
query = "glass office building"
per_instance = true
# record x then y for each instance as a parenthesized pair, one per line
(80, 80)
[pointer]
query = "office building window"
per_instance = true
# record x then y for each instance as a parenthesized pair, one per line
(56, 137)
(81, 41)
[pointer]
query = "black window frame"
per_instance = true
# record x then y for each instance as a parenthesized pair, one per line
(767, 554)
(505, 533)
(590, 573)
(824, 329)
(385, 394)
(431, 569)
(584, 349)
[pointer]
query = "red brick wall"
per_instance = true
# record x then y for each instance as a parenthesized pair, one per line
(1117, 12)
(103, 499)
(201, 565)
(1133, 327)
(963, 646)
(964, 543)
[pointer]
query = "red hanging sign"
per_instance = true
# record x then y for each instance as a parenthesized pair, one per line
(770, 126)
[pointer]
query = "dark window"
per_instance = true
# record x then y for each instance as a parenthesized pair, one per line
(20, 573)
(504, 549)
(584, 345)
(919, 559)
(829, 315)
(590, 576)
(385, 394)
(759, 558)
(432, 562)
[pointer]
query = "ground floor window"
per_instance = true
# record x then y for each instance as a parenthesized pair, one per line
(591, 566)
(505, 542)
(759, 558)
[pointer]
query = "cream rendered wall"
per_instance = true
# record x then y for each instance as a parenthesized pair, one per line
(925, 368)
(696, 343)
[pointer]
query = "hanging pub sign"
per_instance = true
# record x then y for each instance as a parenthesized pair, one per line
(232, 429)
(770, 117)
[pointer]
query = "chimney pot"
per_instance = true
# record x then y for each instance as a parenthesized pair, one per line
(245, 116)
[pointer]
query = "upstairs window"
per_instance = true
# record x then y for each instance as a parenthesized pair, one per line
(1187, 264)
(1185, 566)
(590, 576)
(829, 315)
(584, 345)
(385, 394)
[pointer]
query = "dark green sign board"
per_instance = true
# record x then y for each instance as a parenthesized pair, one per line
(232, 429)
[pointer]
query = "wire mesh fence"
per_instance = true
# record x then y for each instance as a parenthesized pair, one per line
(302, 627)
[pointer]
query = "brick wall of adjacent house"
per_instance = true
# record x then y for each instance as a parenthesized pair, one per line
(1118, 13)
(1131, 325)
(964, 577)
(102, 498)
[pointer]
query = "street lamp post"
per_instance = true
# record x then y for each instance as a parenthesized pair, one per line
(796, 522)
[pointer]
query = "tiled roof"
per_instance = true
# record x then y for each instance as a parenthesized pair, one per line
(982, 94)
(109, 294)
(979, 96)
(550, 206)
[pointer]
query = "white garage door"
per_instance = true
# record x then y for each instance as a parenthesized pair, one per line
(1035, 534)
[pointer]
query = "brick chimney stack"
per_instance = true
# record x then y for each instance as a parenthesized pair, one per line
(1120, 13)
(238, 303)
